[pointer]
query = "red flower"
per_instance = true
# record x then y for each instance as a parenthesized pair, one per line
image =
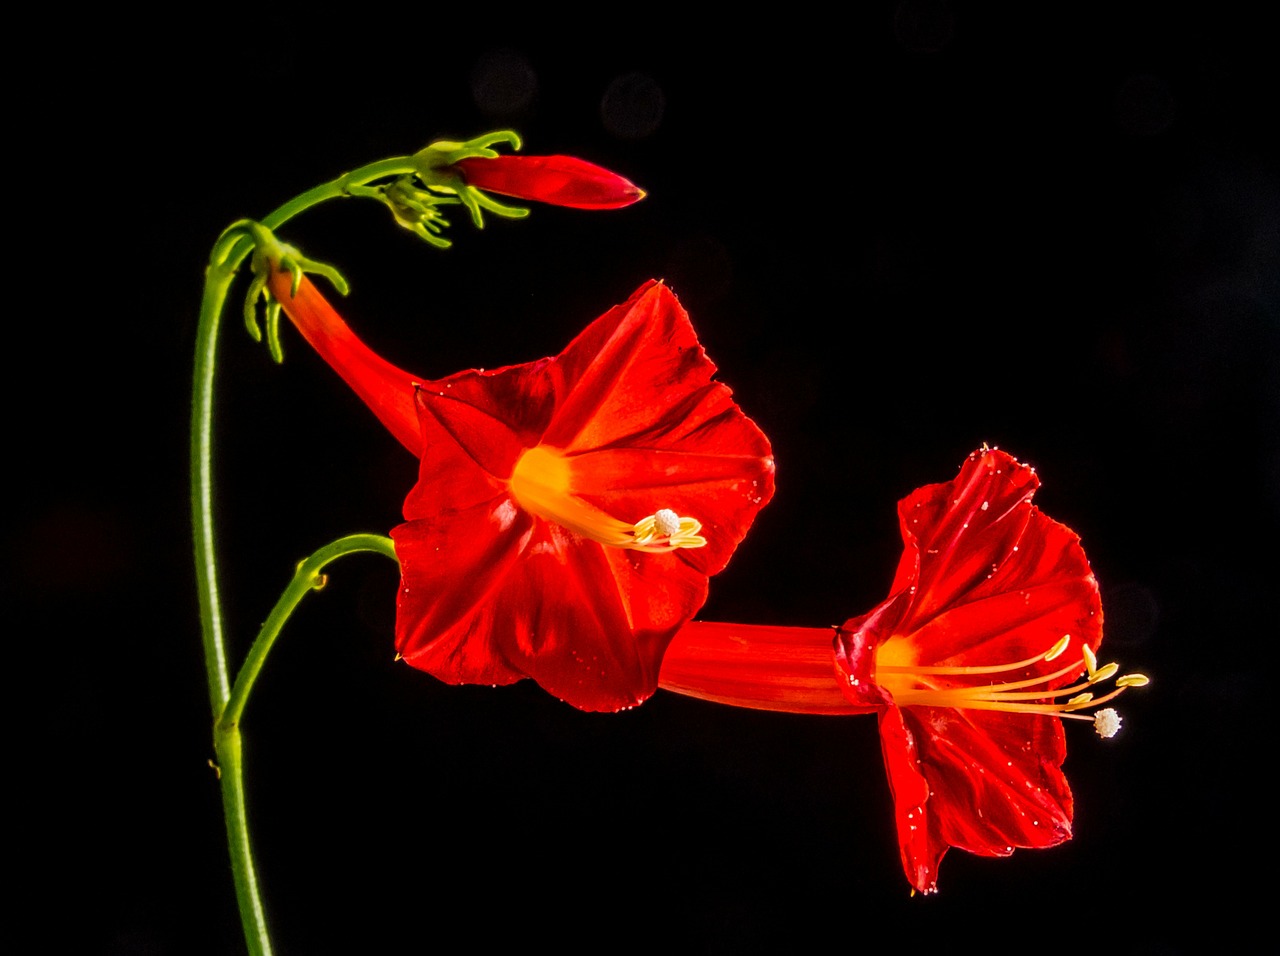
(569, 511)
(993, 611)
(558, 180)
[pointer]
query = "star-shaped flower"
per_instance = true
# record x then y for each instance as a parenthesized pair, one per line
(568, 511)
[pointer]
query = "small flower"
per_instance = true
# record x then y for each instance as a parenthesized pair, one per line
(986, 642)
(568, 511)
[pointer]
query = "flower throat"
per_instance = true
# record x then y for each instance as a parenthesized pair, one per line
(542, 484)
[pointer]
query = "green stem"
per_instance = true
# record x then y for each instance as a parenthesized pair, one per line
(226, 258)
(308, 577)
(226, 729)
(228, 254)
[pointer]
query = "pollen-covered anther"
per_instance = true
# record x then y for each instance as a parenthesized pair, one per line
(664, 530)
(1106, 722)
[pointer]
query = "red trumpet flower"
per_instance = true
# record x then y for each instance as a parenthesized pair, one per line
(987, 638)
(568, 511)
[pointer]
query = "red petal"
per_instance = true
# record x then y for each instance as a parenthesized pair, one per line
(633, 370)
(977, 780)
(921, 846)
(452, 564)
(559, 180)
(493, 594)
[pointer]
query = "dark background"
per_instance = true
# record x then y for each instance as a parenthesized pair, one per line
(922, 228)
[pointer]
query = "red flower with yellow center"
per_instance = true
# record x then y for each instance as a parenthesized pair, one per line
(969, 664)
(568, 511)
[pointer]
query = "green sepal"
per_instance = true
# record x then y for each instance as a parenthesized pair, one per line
(434, 163)
(475, 200)
(269, 253)
(436, 170)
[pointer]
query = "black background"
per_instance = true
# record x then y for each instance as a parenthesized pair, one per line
(922, 228)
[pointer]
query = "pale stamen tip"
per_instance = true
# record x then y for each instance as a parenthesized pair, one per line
(1090, 660)
(1057, 649)
(666, 521)
(1106, 722)
(1103, 673)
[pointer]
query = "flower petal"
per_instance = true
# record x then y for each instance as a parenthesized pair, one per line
(981, 781)
(492, 594)
(633, 369)
(723, 492)
(454, 566)
(490, 416)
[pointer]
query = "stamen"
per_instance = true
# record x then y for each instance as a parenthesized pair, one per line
(542, 483)
(664, 530)
(1027, 696)
(1048, 655)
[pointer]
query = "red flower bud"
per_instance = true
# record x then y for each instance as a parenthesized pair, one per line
(558, 180)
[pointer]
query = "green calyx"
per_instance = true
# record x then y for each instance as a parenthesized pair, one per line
(436, 170)
(270, 254)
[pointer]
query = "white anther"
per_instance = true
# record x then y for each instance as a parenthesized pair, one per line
(666, 521)
(1106, 722)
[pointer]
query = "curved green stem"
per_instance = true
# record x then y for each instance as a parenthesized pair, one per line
(226, 729)
(308, 577)
(228, 253)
